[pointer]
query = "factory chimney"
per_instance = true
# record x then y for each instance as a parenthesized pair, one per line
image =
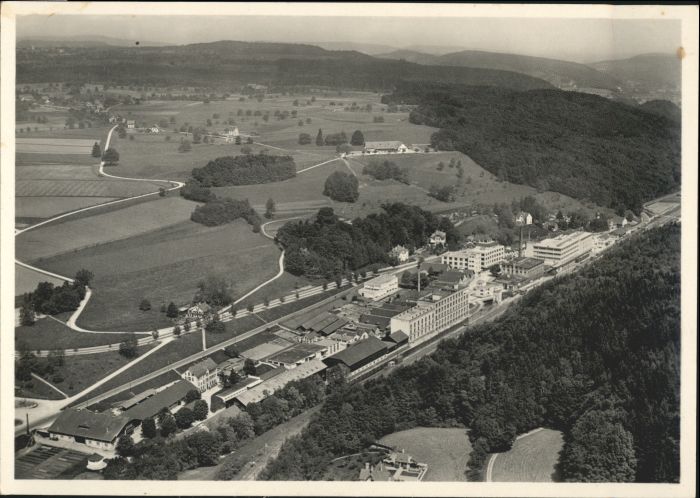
(520, 243)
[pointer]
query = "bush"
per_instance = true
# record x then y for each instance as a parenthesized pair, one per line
(386, 170)
(342, 187)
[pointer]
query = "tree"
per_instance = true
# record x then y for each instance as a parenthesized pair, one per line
(205, 446)
(249, 367)
(26, 314)
(214, 290)
(319, 138)
(216, 326)
(168, 425)
(148, 428)
(357, 138)
(125, 446)
(172, 311)
(304, 139)
(342, 187)
(177, 331)
(155, 334)
(200, 410)
(110, 157)
(145, 305)
(83, 277)
(343, 148)
(184, 418)
(96, 150)
(128, 347)
(192, 395)
(269, 208)
(495, 270)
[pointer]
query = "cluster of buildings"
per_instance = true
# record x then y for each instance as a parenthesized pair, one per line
(395, 467)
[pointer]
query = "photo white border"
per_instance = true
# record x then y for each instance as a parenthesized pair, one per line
(689, 18)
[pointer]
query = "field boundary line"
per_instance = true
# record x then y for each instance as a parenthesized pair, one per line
(317, 165)
(65, 396)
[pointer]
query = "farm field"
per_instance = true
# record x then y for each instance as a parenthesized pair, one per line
(532, 458)
(46, 207)
(50, 333)
(99, 187)
(445, 450)
(56, 146)
(26, 280)
(122, 222)
(47, 171)
(165, 265)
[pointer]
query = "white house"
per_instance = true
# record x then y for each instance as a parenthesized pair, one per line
(438, 238)
(523, 218)
(198, 311)
(380, 287)
(617, 222)
(204, 374)
(130, 123)
(154, 129)
(400, 253)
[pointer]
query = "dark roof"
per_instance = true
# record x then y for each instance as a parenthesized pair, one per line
(200, 368)
(318, 326)
(397, 337)
(359, 352)
(451, 277)
(385, 312)
(379, 321)
(268, 374)
(295, 353)
(91, 425)
(329, 329)
(164, 399)
(96, 457)
(126, 404)
(226, 394)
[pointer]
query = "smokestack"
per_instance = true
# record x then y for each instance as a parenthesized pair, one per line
(520, 243)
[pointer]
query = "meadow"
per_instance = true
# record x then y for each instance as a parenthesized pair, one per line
(445, 450)
(51, 333)
(46, 207)
(165, 265)
(532, 458)
(56, 146)
(116, 223)
(26, 280)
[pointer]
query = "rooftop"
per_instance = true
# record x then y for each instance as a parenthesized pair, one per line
(226, 394)
(397, 337)
(563, 240)
(84, 423)
(421, 308)
(199, 369)
(451, 277)
(293, 354)
(269, 386)
(357, 353)
(381, 280)
(126, 404)
(392, 144)
(527, 263)
(164, 399)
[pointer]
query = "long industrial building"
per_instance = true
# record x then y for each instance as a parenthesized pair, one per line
(476, 259)
(562, 251)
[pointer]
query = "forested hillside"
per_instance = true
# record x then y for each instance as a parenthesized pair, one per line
(230, 62)
(581, 145)
(594, 354)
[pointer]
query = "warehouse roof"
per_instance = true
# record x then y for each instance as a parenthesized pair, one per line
(394, 144)
(268, 387)
(357, 353)
(164, 399)
(91, 425)
(295, 353)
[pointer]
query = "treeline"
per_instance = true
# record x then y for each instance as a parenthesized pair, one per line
(386, 170)
(161, 456)
(578, 144)
(218, 210)
(594, 354)
(247, 169)
(327, 247)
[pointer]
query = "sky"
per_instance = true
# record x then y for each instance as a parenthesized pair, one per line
(579, 40)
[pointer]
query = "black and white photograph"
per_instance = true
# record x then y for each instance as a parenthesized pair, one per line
(394, 249)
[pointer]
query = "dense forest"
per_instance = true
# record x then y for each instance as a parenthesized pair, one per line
(247, 169)
(327, 247)
(581, 145)
(594, 354)
(232, 62)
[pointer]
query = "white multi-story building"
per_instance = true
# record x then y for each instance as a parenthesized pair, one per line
(563, 249)
(380, 287)
(400, 253)
(204, 374)
(433, 314)
(475, 259)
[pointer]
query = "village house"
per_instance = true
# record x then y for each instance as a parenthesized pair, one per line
(154, 129)
(198, 311)
(523, 218)
(385, 147)
(203, 375)
(452, 280)
(400, 253)
(131, 124)
(617, 222)
(438, 238)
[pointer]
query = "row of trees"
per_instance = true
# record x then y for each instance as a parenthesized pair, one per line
(593, 354)
(386, 170)
(327, 247)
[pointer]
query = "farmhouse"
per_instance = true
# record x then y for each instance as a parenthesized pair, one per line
(204, 375)
(380, 287)
(95, 430)
(199, 310)
(384, 147)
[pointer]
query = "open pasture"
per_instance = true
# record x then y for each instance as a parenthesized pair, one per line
(50, 333)
(166, 265)
(445, 450)
(83, 188)
(114, 224)
(55, 172)
(46, 207)
(26, 280)
(532, 458)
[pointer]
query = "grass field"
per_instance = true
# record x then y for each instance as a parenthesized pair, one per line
(445, 450)
(532, 458)
(48, 333)
(111, 225)
(58, 146)
(56, 171)
(46, 207)
(26, 280)
(99, 187)
(165, 265)
(36, 389)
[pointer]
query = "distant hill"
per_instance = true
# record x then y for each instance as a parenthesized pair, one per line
(647, 72)
(365, 48)
(581, 145)
(557, 72)
(235, 62)
(663, 108)
(84, 41)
